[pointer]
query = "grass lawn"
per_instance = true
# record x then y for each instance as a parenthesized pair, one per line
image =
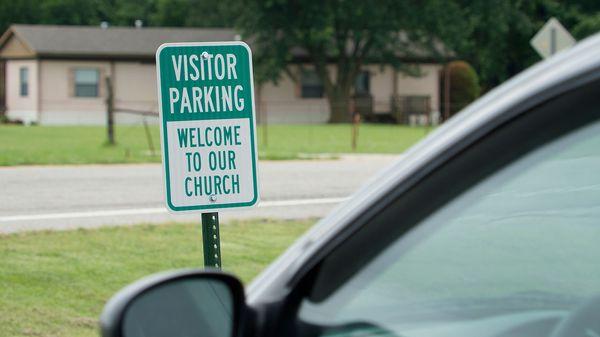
(56, 283)
(21, 145)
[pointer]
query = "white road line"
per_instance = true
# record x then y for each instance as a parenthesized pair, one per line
(157, 210)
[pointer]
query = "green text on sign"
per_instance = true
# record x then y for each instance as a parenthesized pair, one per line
(208, 130)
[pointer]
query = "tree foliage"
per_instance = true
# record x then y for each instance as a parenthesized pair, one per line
(496, 41)
(338, 37)
(173, 13)
(194, 13)
(491, 35)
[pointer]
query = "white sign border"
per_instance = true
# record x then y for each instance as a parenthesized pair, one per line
(200, 209)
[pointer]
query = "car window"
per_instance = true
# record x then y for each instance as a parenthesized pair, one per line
(511, 256)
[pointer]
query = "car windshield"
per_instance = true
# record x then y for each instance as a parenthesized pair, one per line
(516, 252)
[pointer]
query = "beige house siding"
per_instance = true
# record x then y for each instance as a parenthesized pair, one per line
(134, 85)
(381, 82)
(58, 102)
(24, 108)
(135, 88)
(426, 85)
(382, 86)
(282, 103)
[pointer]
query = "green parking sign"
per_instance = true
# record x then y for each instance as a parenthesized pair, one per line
(208, 125)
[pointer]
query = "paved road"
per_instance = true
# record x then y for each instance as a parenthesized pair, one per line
(63, 197)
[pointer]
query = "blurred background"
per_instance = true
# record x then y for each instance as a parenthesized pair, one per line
(402, 67)
(342, 89)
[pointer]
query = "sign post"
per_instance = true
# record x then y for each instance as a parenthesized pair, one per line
(208, 132)
(211, 240)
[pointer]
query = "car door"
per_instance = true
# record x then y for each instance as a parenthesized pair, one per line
(503, 239)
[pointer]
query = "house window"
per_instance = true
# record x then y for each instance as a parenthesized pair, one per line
(311, 85)
(362, 84)
(24, 81)
(86, 82)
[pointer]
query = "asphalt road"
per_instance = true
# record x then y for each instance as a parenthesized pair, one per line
(65, 197)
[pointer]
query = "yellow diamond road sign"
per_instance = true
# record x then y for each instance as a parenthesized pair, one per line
(551, 39)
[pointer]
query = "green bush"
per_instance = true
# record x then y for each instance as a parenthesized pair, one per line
(464, 86)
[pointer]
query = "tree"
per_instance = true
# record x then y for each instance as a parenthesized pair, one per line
(497, 40)
(498, 34)
(492, 35)
(341, 36)
(125, 12)
(18, 11)
(194, 13)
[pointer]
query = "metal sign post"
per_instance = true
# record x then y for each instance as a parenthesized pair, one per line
(208, 132)
(211, 240)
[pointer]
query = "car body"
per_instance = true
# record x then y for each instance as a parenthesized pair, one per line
(485, 228)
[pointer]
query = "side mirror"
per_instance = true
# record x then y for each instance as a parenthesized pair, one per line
(186, 303)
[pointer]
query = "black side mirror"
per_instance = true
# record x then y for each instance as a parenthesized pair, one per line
(176, 304)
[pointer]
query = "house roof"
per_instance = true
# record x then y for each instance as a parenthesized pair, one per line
(94, 42)
(112, 42)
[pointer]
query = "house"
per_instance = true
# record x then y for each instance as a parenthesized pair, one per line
(57, 75)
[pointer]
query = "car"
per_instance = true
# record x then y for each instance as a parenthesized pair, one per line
(490, 227)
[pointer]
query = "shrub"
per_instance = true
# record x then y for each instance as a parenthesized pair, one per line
(464, 86)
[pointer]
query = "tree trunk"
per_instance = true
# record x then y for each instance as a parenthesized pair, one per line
(339, 106)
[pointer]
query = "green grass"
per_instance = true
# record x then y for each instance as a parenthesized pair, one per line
(291, 140)
(21, 145)
(56, 283)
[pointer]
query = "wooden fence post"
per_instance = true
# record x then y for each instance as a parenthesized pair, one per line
(110, 106)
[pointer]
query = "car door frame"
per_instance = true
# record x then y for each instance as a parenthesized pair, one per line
(548, 117)
(531, 88)
(273, 309)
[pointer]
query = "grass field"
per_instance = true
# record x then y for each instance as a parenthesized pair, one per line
(21, 145)
(56, 283)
